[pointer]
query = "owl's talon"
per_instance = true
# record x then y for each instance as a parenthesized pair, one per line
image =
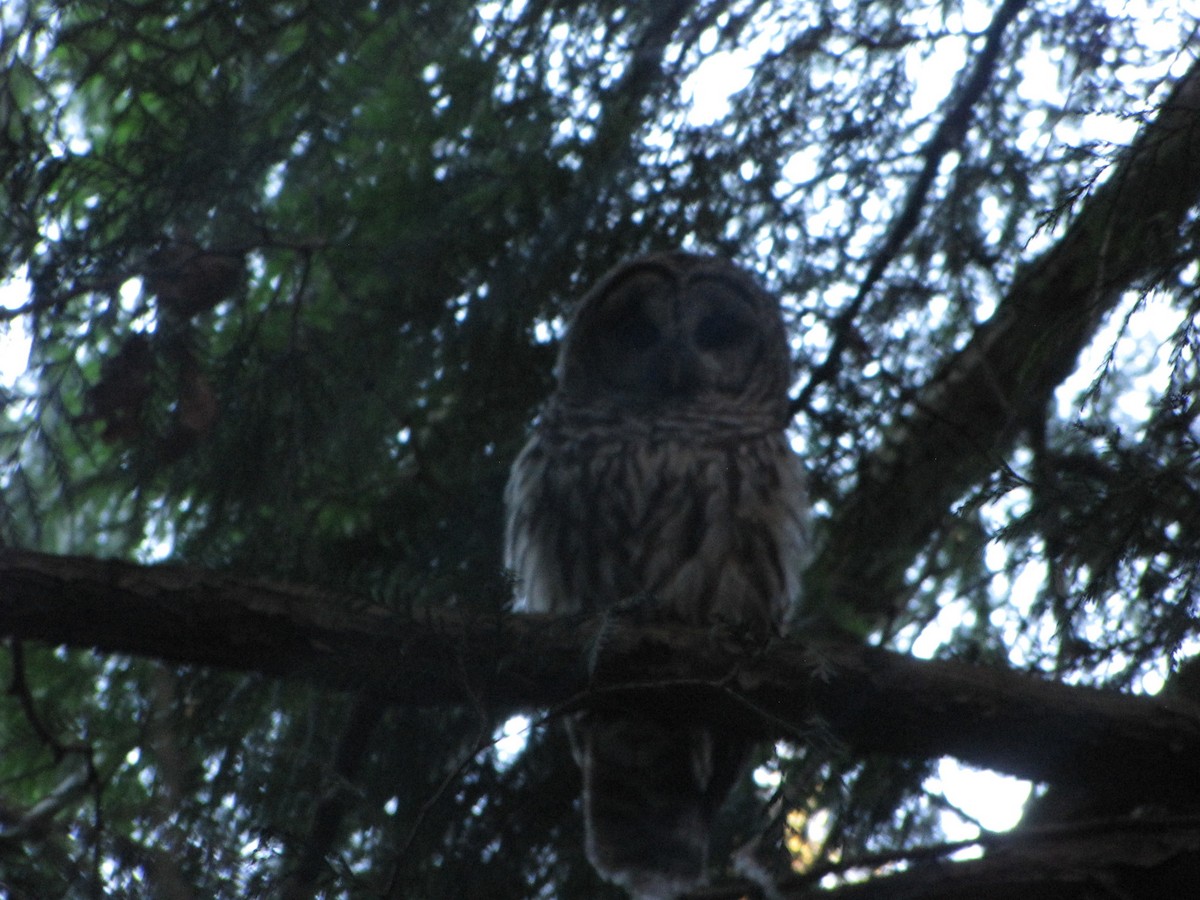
(638, 609)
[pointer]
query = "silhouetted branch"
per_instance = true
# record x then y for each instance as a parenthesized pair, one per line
(947, 137)
(873, 701)
(336, 798)
(967, 418)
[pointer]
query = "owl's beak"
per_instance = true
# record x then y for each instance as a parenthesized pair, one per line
(680, 370)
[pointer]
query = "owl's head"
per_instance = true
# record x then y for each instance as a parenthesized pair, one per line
(677, 329)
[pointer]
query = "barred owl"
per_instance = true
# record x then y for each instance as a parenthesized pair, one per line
(659, 472)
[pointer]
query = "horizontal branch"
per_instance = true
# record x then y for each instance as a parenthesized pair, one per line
(874, 701)
(1131, 858)
(1146, 857)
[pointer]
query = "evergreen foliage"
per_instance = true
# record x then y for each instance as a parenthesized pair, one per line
(296, 272)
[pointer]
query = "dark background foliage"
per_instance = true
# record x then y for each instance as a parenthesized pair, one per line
(292, 276)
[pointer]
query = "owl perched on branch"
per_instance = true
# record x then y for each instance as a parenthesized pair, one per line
(659, 472)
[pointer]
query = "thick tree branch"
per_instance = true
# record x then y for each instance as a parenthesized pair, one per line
(872, 700)
(969, 416)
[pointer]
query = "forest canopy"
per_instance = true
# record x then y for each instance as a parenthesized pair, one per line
(290, 280)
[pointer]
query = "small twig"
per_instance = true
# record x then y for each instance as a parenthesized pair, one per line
(946, 137)
(19, 688)
(997, 840)
(69, 789)
(327, 818)
(394, 888)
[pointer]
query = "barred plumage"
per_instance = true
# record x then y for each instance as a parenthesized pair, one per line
(660, 470)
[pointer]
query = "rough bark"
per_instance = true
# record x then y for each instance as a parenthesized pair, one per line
(967, 419)
(1141, 749)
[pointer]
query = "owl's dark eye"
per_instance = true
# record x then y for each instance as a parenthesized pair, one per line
(635, 331)
(721, 330)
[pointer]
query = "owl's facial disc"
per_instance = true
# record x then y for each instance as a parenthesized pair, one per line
(629, 341)
(652, 339)
(721, 326)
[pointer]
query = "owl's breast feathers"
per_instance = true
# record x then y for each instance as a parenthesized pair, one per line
(704, 513)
